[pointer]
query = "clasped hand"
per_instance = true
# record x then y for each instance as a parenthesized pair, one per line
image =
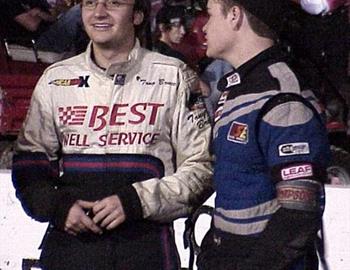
(85, 216)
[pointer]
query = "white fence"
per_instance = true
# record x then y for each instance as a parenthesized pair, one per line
(20, 236)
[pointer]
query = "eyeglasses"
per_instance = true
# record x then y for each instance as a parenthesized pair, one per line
(109, 4)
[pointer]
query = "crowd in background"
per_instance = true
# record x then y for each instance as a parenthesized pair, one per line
(315, 32)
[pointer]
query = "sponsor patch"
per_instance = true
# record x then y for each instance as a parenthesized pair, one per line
(98, 117)
(72, 115)
(238, 133)
(291, 149)
(164, 82)
(82, 81)
(294, 172)
(119, 79)
(143, 81)
(297, 194)
(234, 79)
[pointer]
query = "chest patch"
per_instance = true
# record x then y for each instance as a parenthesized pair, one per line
(82, 81)
(119, 79)
(238, 133)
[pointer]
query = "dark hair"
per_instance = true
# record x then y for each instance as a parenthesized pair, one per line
(143, 6)
(165, 15)
(257, 25)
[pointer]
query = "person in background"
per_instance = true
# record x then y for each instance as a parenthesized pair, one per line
(270, 146)
(132, 145)
(26, 20)
(211, 76)
(193, 45)
(170, 30)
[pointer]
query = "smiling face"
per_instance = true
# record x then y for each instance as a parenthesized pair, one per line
(111, 28)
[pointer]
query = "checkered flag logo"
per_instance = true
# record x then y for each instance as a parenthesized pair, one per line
(72, 115)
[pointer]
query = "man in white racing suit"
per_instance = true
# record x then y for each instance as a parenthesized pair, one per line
(120, 124)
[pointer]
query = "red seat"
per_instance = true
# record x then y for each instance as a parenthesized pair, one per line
(15, 95)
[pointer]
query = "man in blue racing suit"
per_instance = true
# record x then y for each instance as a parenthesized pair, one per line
(270, 146)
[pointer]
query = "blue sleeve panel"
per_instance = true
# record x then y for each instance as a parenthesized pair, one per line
(294, 143)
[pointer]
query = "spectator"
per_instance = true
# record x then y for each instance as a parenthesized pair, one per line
(211, 76)
(170, 21)
(171, 31)
(27, 20)
(270, 145)
(193, 46)
(133, 146)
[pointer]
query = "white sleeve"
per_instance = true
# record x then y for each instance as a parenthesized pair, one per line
(176, 195)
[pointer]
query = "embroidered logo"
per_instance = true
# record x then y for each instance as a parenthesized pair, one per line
(294, 172)
(297, 195)
(143, 81)
(72, 115)
(119, 79)
(238, 133)
(164, 82)
(82, 81)
(291, 149)
(234, 79)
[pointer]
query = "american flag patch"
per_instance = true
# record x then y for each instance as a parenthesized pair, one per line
(72, 115)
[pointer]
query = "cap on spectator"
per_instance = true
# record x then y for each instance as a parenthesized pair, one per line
(270, 12)
(171, 15)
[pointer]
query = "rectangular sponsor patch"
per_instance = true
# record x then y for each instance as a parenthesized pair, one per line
(291, 149)
(303, 195)
(234, 79)
(294, 195)
(238, 133)
(119, 79)
(294, 172)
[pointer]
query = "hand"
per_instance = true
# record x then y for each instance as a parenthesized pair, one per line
(77, 220)
(109, 212)
(34, 12)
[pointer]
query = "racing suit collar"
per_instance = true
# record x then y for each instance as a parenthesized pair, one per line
(236, 76)
(114, 68)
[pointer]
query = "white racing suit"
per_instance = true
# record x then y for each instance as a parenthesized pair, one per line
(130, 130)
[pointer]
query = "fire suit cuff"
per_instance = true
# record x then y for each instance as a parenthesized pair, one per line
(131, 203)
(285, 239)
(64, 202)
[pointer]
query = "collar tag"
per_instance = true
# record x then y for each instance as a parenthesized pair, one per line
(233, 79)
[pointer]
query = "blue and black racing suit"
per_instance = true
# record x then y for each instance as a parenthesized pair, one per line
(271, 151)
